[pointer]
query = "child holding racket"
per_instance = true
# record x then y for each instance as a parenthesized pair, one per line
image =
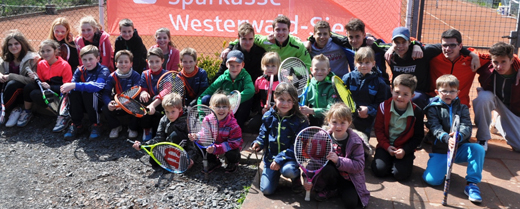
(92, 34)
(149, 94)
(280, 125)
(131, 41)
(172, 128)
(399, 129)
(195, 78)
(84, 90)
(368, 89)
(52, 71)
(440, 113)
(118, 82)
(17, 55)
(320, 95)
(60, 32)
(170, 52)
(344, 174)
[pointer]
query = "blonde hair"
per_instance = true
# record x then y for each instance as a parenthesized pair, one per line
(219, 99)
(69, 40)
(18, 36)
(271, 58)
(89, 49)
(363, 54)
(167, 31)
(124, 52)
(190, 52)
(320, 58)
(339, 111)
(89, 20)
(447, 80)
(172, 100)
(52, 43)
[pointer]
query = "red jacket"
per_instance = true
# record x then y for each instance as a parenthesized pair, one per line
(172, 64)
(60, 68)
(105, 50)
(409, 139)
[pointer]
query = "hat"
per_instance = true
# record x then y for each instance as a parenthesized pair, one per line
(401, 32)
(236, 56)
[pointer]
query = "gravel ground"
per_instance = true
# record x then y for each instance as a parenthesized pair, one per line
(38, 169)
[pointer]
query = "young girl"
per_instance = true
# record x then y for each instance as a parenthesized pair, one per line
(149, 94)
(170, 52)
(229, 140)
(60, 32)
(344, 174)
(92, 34)
(17, 55)
(118, 82)
(52, 71)
(280, 125)
(270, 62)
(195, 78)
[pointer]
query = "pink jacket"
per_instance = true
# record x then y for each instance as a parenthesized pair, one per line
(172, 64)
(105, 50)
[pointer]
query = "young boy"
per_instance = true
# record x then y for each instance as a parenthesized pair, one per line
(195, 78)
(118, 82)
(235, 78)
(172, 128)
(440, 113)
(229, 140)
(499, 93)
(399, 129)
(320, 95)
(87, 82)
(368, 89)
(130, 40)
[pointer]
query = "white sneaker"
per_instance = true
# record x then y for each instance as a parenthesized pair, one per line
(13, 118)
(114, 133)
(484, 144)
(132, 134)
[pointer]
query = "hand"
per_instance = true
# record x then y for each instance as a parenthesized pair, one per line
(65, 88)
(274, 166)
(210, 149)
(45, 85)
(389, 53)
(264, 110)
(363, 112)
(112, 105)
(451, 142)
(475, 62)
(32, 75)
(144, 97)
(307, 186)
(224, 53)
(417, 52)
(192, 137)
(332, 156)
(271, 38)
(399, 154)
(308, 46)
(151, 109)
(391, 150)
(137, 145)
(307, 110)
(4, 78)
(370, 39)
(256, 147)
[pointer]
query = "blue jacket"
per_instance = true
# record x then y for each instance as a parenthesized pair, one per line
(90, 80)
(113, 86)
(196, 84)
(369, 90)
(277, 135)
(149, 81)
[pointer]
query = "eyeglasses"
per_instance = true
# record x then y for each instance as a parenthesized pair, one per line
(444, 92)
(451, 46)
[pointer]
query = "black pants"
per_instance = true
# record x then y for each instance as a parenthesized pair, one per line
(385, 165)
(113, 117)
(32, 93)
(152, 121)
(242, 113)
(232, 156)
(81, 102)
(315, 121)
(330, 179)
(363, 124)
(13, 94)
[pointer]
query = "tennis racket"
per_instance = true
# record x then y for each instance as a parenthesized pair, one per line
(311, 148)
(203, 124)
(130, 106)
(343, 93)
(293, 71)
(2, 115)
(234, 100)
(64, 52)
(169, 156)
(170, 82)
(53, 99)
(269, 92)
(451, 155)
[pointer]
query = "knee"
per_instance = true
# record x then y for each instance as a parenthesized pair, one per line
(290, 170)
(430, 179)
(379, 168)
(267, 190)
(484, 96)
(205, 99)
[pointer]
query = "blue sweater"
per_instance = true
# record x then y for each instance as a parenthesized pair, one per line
(124, 84)
(369, 90)
(197, 84)
(149, 81)
(90, 80)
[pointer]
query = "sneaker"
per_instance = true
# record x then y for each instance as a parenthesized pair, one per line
(13, 118)
(484, 144)
(473, 192)
(297, 186)
(24, 119)
(147, 134)
(61, 123)
(231, 168)
(132, 134)
(94, 131)
(324, 195)
(72, 132)
(114, 133)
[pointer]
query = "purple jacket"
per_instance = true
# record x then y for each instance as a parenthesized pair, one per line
(229, 135)
(351, 164)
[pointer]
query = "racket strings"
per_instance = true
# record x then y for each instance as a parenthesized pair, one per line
(295, 72)
(234, 100)
(204, 123)
(131, 105)
(172, 157)
(312, 148)
(132, 92)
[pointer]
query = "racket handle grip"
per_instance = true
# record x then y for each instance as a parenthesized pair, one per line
(307, 195)
(130, 141)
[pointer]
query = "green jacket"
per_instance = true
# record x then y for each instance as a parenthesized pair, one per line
(321, 95)
(293, 47)
(242, 83)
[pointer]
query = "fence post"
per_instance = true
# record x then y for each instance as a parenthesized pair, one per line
(408, 21)
(415, 18)
(420, 24)
(102, 14)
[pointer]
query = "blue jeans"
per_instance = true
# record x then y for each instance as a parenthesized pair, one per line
(472, 153)
(270, 178)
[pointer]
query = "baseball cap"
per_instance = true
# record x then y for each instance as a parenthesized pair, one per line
(236, 56)
(401, 32)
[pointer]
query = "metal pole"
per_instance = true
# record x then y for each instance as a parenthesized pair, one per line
(408, 20)
(415, 17)
(420, 25)
(102, 14)
(517, 35)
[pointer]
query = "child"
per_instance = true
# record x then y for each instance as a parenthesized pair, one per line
(344, 174)
(270, 63)
(118, 82)
(195, 78)
(280, 125)
(368, 89)
(60, 32)
(130, 40)
(440, 113)
(234, 78)
(320, 94)
(17, 55)
(399, 129)
(170, 52)
(92, 34)
(52, 71)
(229, 140)
(172, 128)
(149, 93)
(87, 82)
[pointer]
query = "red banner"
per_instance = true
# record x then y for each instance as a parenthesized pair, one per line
(221, 18)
